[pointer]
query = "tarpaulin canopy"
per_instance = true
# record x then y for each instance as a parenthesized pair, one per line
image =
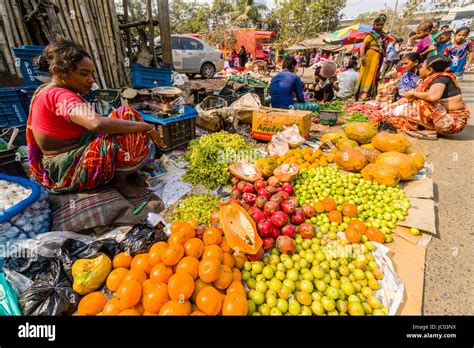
(297, 48)
(264, 34)
(349, 35)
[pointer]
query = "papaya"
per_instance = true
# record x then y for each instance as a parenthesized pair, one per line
(384, 174)
(332, 137)
(370, 154)
(387, 142)
(402, 162)
(368, 146)
(417, 157)
(287, 172)
(344, 143)
(89, 274)
(266, 166)
(351, 160)
(239, 229)
(362, 132)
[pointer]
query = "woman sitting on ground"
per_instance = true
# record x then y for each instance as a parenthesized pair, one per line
(70, 147)
(434, 107)
(325, 82)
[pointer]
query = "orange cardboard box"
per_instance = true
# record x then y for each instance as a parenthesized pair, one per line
(267, 121)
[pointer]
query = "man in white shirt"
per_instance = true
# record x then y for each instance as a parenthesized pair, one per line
(347, 82)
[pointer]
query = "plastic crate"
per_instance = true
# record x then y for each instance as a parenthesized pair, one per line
(111, 96)
(177, 131)
(26, 94)
(12, 108)
(28, 69)
(148, 77)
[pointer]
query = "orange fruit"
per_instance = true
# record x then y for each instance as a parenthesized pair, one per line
(155, 298)
(175, 307)
(329, 204)
(225, 278)
(129, 312)
(209, 301)
(179, 237)
(111, 307)
(197, 313)
(154, 254)
(128, 294)
(139, 308)
(319, 207)
(181, 286)
(236, 274)
(147, 285)
(335, 216)
(140, 261)
(224, 246)
(188, 264)
(352, 235)
(359, 226)
(213, 251)
(122, 260)
(92, 303)
(212, 236)
(135, 274)
(146, 313)
(194, 223)
(209, 269)
(172, 254)
(198, 286)
(349, 209)
(160, 273)
(115, 278)
(194, 247)
(175, 226)
(375, 235)
(228, 260)
(239, 260)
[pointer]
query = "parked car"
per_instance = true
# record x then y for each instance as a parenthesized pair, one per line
(193, 56)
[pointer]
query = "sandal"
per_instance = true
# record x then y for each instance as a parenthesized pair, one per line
(423, 134)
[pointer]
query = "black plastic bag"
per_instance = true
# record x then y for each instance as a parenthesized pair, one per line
(141, 237)
(386, 127)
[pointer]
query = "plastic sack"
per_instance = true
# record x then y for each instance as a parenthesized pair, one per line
(291, 135)
(248, 101)
(278, 147)
(8, 300)
(180, 80)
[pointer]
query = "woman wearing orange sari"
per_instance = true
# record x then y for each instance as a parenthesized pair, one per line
(434, 107)
(372, 52)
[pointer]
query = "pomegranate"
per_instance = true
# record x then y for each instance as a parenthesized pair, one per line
(270, 207)
(294, 199)
(284, 194)
(271, 189)
(276, 232)
(249, 198)
(277, 198)
(298, 217)
(241, 184)
(307, 230)
(235, 180)
(259, 184)
(256, 214)
(234, 200)
(258, 256)
(288, 188)
(260, 201)
(248, 188)
(246, 206)
(201, 229)
(279, 189)
(273, 181)
(279, 219)
(264, 228)
(289, 230)
(268, 243)
(309, 211)
(216, 225)
(285, 245)
(265, 193)
(235, 193)
(215, 217)
(288, 206)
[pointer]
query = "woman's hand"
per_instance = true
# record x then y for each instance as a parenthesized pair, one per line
(409, 95)
(156, 138)
(363, 61)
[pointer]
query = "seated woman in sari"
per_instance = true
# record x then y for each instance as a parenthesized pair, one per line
(434, 107)
(70, 147)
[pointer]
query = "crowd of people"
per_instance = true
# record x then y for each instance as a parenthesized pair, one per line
(418, 82)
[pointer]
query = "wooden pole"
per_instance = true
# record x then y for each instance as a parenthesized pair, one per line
(4, 46)
(24, 35)
(35, 28)
(127, 31)
(119, 46)
(151, 34)
(75, 24)
(67, 18)
(43, 25)
(13, 25)
(62, 21)
(82, 29)
(116, 68)
(165, 33)
(53, 22)
(110, 54)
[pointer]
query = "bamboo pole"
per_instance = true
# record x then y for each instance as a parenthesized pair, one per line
(54, 24)
(35, 29)
(7, 28)
(67, 19)
(119, 46)
(75, 24)
(24, 35)
(113, 52)
(62, 21)
(4, 46)
(43, 25)
(14, 27)
(151, 34)
(90, 34)
(110, 52)
(82, 30)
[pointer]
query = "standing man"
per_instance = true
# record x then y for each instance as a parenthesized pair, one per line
(242, 56)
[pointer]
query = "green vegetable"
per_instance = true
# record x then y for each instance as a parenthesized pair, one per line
(358, 117)
(199, 207)
(334, 105)
(210, 156)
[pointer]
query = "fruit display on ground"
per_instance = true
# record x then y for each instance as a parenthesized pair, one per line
(306, 158)
(197, 206)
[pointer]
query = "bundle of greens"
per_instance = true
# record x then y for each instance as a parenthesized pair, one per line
(357, 117)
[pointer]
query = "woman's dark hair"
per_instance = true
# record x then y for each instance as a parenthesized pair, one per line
(445, 33)
(425, 26)
(289, 63)
(413, 33)
(64, 54)
(352, 64)
(438, 63)
(380, 18)
(413, 57)
(463, 29)
(445, 27)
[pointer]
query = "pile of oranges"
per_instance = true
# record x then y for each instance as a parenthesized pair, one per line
(306, 158)
(184, 276)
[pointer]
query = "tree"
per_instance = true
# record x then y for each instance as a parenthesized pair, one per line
(219, 22)
(189, 16)
(247, 13)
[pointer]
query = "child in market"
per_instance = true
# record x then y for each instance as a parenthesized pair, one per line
(424, 47)
(443, 41)
(460, 52)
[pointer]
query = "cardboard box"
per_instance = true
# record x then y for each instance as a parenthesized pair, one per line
(268, 121)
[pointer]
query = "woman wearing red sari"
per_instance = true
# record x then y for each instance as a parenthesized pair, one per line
(70, 147)
(433, 108)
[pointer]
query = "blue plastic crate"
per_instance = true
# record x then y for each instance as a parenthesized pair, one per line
(12, 109)
(189, 112)
(28, 69)
(148, 77)
(26, 94)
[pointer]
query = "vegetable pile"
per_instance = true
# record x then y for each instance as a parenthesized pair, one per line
(198, 207)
